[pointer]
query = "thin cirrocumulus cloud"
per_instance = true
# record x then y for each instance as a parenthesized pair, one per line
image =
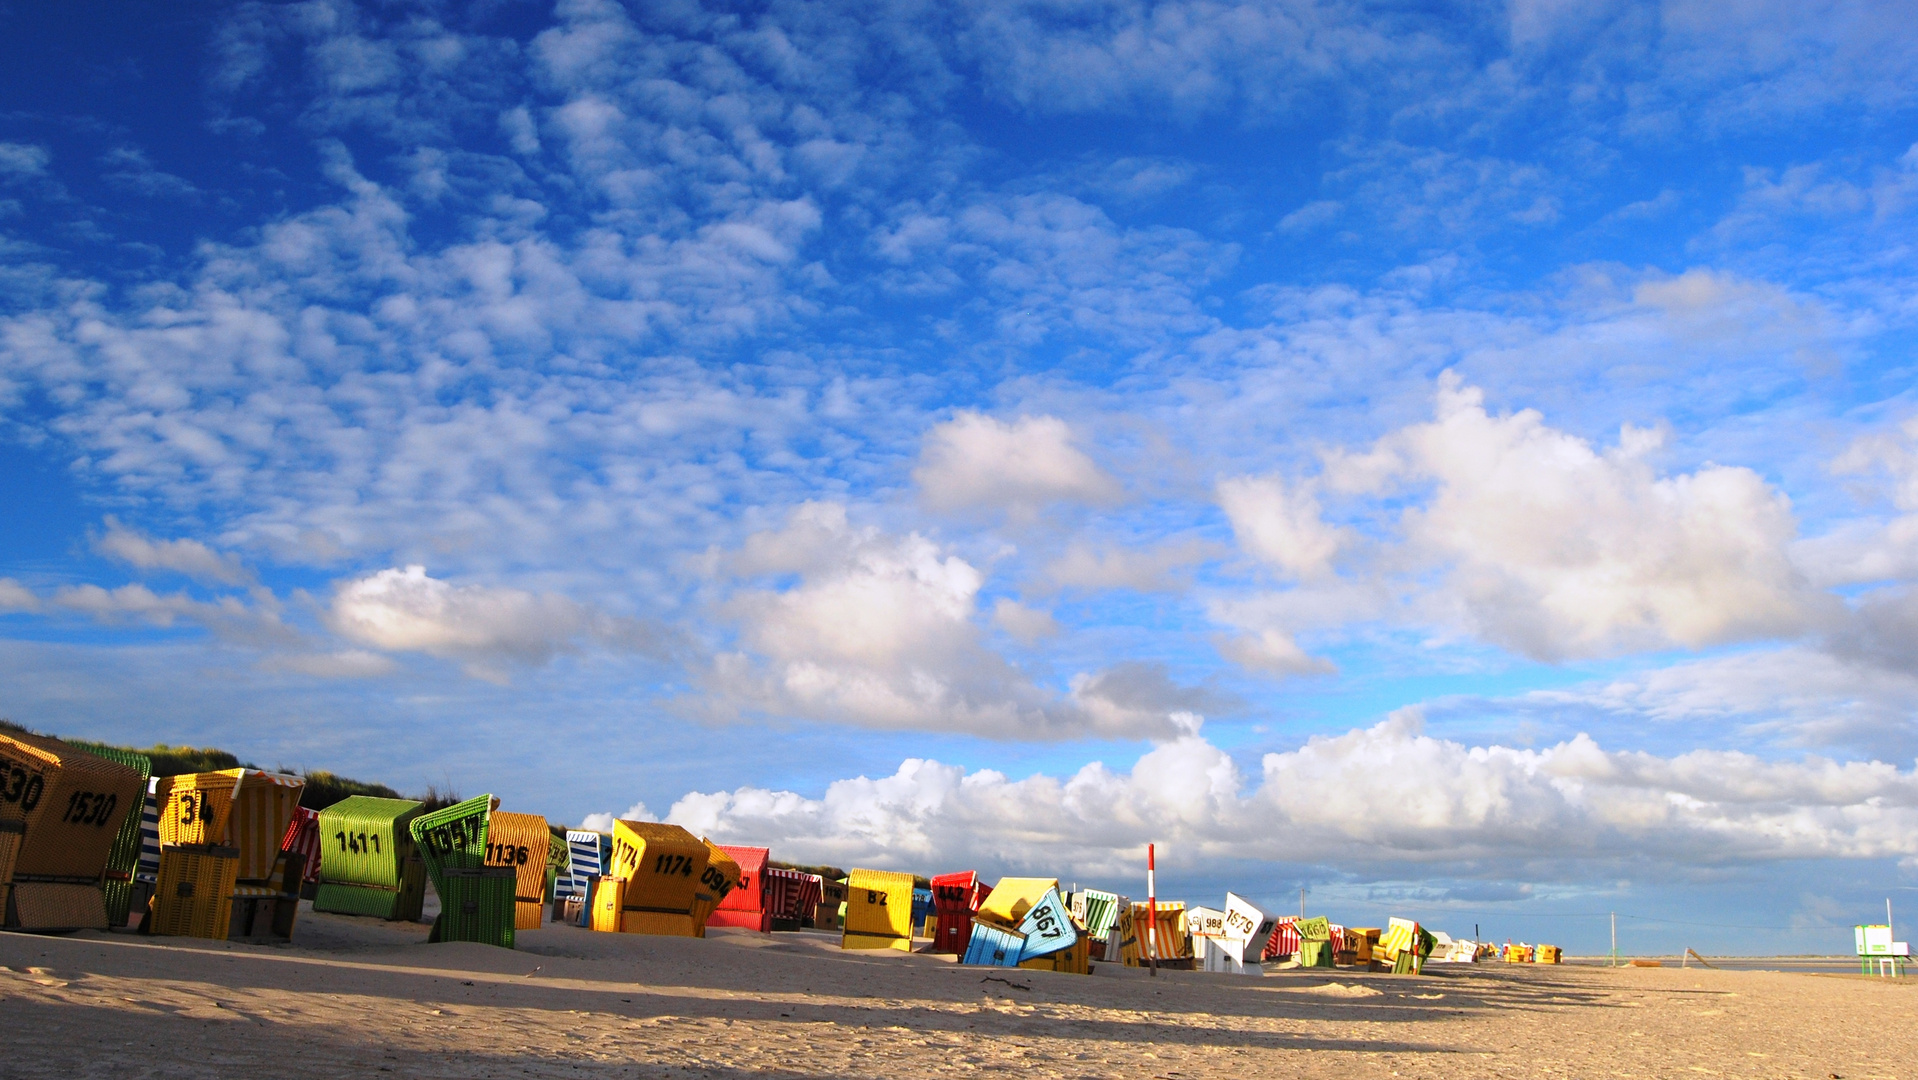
(1190, 58)
(23, 159)
(1044, 268)
(1487, 810)
(1812, 694)
(883, 631)
(183, 556)
(1875, 549)
(1020, 467)
(1143, 568)
(489, 630)
(340, 664)
(253, 621)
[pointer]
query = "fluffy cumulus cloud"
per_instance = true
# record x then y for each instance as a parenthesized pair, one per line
(488, 629)
(1020, 466)
(1494, 810)
(884, 631)
(1556, 548)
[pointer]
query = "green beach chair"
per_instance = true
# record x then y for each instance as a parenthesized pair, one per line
(476, 901)
(124, 859)
(369, 862)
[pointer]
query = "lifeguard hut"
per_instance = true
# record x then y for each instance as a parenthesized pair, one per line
(1877, 953)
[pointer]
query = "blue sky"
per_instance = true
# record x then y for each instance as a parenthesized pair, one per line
(1457, 459)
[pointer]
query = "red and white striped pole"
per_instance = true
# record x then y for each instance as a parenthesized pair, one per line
(1151, 911)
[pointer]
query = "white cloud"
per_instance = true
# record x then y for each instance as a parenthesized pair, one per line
(604, 822)
(486, 628)
(1025, 624)
(23, 159)
(128, 600)
(128, 167)
(1881, 628)
(1872, 549)
(230, 618)
(345, 664)
(974, 460)
(1894, 454)
(189, 557)
(1403, 192)
(1380, 798)
(878, 631)
(1145, 569)
(1311, 216)
(1799, 695)
(1140, 697)
(1556, 549)
(1273, 652)
(881, 631)
(1132, 179)
(1709, 307)
(1183, 58)
(17, 597)
(1280, 524)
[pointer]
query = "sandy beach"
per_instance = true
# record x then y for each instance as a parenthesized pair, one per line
(357, 997)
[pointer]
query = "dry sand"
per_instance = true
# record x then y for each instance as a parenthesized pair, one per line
(357, 997)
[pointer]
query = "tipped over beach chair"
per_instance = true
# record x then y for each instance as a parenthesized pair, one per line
(747, 905)
(63, 823)
(1315, 941)
(117, 884)
(1404, 946)
(476, 900)
(654, 881)
(717, 882)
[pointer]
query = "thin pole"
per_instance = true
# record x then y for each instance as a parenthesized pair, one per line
(1151, 910)
(1614, 939)
(1301, 901)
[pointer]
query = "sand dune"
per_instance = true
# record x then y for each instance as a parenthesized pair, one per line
(356, 997)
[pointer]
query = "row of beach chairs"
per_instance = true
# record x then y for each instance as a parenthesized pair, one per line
(89, 839)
